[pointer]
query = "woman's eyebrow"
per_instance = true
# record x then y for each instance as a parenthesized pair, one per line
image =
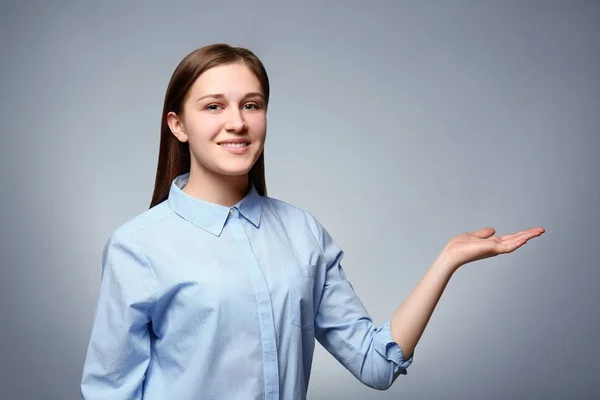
(254, 94)
(221, 96)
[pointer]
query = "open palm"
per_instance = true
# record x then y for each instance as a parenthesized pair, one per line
(473, 246)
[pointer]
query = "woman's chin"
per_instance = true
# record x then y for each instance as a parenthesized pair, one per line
(235, 169)
(233, 172)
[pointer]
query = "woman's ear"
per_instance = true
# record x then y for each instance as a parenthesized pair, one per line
(176, 126)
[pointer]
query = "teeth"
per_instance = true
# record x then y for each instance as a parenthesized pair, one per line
(234, 144)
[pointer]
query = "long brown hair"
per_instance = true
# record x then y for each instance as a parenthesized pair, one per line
(174, 156)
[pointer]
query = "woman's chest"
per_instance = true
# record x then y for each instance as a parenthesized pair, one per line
(233, 277)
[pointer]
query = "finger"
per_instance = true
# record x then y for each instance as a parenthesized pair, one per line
(514, 236)
(509, 246)
(529, 232)
(484, 233)
(517, 240)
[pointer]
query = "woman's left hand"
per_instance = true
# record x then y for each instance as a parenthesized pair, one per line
(473, 246)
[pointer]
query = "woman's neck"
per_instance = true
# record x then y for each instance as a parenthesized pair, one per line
(218, 189)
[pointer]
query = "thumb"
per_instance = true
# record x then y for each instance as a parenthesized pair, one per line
(484, 233)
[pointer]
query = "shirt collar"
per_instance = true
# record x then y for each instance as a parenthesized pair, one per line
(210, 216)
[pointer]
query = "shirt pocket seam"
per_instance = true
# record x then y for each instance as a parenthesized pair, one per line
(301, 304)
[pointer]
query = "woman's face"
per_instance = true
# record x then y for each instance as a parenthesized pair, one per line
(223, 120)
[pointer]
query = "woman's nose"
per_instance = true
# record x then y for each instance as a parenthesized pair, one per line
(235, 122)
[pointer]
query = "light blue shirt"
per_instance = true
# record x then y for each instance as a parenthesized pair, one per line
(203, 301)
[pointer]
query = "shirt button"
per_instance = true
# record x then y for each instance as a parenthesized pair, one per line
(231, 212)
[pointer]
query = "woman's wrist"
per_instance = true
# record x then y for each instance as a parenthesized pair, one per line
(446, 263)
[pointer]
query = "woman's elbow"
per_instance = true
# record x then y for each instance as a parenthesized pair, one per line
(383, 377)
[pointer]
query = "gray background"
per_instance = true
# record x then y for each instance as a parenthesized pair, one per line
(398, 124)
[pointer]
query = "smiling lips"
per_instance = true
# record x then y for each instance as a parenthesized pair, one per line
(236, 146)
(233, 144)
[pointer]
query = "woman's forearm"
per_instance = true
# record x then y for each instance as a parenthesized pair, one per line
(410, 319)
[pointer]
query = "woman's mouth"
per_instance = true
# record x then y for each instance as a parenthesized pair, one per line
(233, 144)
(235, 148)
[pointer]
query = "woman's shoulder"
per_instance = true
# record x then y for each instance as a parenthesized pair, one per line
(145, 221)
(294, 213)
(281, 206)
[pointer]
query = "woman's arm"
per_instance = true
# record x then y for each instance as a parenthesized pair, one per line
(378, 355)
(119, 348)
(410, 319)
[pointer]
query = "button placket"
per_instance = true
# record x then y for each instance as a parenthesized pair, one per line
(264, 307)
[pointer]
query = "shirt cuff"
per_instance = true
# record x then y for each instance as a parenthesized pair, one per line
(390, 350)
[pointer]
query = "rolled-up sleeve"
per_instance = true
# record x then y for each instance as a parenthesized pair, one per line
(345, 329)
(119, 349)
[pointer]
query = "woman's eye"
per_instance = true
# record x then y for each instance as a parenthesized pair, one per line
(213, 107)
(251, 106)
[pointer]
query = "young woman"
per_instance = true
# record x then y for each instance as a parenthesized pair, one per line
(218, 291)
